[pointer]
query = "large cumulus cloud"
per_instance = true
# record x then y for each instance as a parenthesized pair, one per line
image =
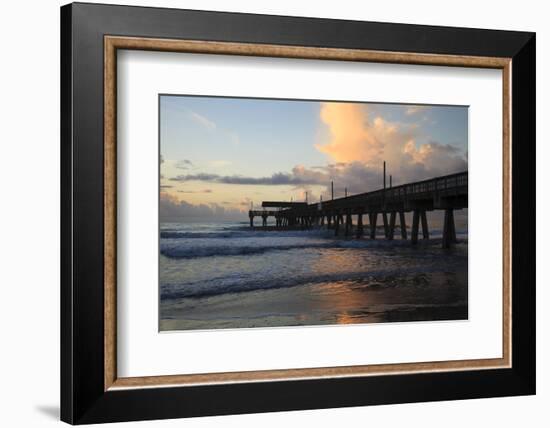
(359, 136)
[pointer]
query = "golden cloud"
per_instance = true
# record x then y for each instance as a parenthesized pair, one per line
(358, 135)
(353, 137)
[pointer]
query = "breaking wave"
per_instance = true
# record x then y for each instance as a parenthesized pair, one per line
(240, 284)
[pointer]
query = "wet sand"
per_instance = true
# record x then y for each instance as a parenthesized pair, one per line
(433, 296)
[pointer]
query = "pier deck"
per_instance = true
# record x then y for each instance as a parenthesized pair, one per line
(447, 193)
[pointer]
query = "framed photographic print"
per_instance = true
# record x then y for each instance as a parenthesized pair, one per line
(265, 213)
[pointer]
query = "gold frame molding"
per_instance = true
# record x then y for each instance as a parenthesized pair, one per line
(113, 43)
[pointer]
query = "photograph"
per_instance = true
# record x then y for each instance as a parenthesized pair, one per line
(286, 212)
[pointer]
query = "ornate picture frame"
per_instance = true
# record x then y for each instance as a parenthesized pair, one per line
(91, 389)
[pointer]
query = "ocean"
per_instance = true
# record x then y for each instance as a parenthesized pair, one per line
(226, 275)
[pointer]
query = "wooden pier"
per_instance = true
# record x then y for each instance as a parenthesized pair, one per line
(445, 193)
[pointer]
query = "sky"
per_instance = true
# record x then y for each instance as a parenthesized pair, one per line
(220, 156)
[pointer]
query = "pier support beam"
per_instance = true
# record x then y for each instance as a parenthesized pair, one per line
(264, 221)
(449, 232)
(391, 230)
(348, 224)
(359, 233)
(251, 220)
(336, 224)
(424, 220)
(414, 231)
(329, 221)
(372, 220)
(385, 220)
(403, 224)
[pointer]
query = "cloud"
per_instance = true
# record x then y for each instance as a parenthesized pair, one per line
(171, 209)
(246, 203)
(202, 120)
(195, 191)
(299, 176)
(356, 176)
(438, 159)
(183, 164)
(361, 141)
(353, 137)
(353, 175)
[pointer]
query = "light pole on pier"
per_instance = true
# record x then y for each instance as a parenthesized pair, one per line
(384, 175)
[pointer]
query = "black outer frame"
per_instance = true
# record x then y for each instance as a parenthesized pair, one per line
(83, 399)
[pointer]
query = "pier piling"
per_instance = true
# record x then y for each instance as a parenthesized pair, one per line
(445, 193)
(449, 232)
(348, 224)
(372, 220)
(386, 227)
(414, 230)
(359, 232)
(403, 225)
(425, 233)
(391, 230)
